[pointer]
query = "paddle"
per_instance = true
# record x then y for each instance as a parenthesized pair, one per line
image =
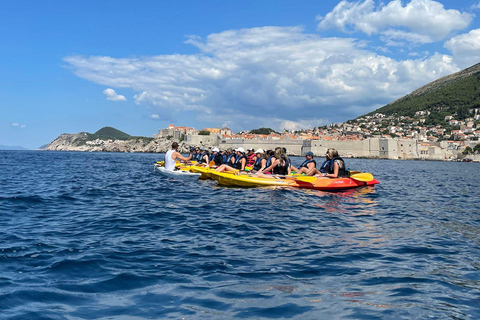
(365, 177)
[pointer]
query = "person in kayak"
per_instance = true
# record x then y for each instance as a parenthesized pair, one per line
(270, 156)
(216, 157)
(333, 167)
(239, 163)
(202, 158)
(280, 165)
(171, 157)
(260, 161)
(251, 157)
(229, 157)
(307, 165)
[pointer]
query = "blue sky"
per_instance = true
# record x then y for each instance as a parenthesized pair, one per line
(71, 66)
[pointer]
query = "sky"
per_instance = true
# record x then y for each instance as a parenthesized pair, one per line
(139, 66)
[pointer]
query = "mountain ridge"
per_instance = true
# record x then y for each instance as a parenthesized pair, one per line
(454, 94)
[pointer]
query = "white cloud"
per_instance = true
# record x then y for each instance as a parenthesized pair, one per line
(465, 48)
(16, 124)
(113, 96)
(419, 21)
(268, 75)
(155, 117)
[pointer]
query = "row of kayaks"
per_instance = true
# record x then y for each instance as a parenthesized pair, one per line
(244, 179)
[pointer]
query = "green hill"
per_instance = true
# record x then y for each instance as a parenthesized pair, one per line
(111, 133)
(453, 95)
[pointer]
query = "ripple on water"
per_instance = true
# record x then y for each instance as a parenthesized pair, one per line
(94, 235)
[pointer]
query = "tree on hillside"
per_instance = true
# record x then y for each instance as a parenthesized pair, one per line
(262, 131)
(476, 149)
(467, 150)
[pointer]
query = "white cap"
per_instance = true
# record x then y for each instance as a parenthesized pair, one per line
(240, 149)
(259, 151)
(215, 149)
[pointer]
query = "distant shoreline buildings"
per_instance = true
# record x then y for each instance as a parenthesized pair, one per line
(375, 136)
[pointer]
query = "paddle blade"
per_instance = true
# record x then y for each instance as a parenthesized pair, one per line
(211, 163)
(366, 177)
(309, 179)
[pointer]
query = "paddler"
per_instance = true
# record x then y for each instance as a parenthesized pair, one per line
(171, 157)
(216, 157)
(251, 157)
(202, 158)
(333, 167)
(261, 160)
(307, 165)
(239, 163)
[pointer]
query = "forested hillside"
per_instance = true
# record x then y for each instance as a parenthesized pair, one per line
(455, 94)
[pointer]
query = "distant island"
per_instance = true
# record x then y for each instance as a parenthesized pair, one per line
(12, 148)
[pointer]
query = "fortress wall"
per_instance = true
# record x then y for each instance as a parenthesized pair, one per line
(200, 140)
(346, 148)
(385, 148)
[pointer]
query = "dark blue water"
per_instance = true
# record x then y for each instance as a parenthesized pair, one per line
(101, 236)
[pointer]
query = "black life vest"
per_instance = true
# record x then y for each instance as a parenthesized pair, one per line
(329, 167)
(306, 162)
(228, 159)
(237, 164)
(201, 157)
(324, 164)
(281, 169)
(258, 164)
(269, 162)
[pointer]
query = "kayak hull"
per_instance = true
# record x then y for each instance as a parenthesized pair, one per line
(203, 171)
(245, 180)
(336, 184)
(177, 174)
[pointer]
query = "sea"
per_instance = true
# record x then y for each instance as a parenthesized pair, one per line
(104, 236)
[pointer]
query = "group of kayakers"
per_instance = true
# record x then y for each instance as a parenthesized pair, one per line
(260, 162)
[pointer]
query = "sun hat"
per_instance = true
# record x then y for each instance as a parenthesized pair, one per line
(215, 150)
(250, 149)
(309, 153)
(240, 149)
(259, 151)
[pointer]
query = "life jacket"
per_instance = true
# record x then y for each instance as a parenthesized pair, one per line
(306, 162)
(201, 157)
(323, 166)
(258, 164)
(250, 160)
(228, 160)
(281, 169)
(212, 156)
(269, 162)
(237, 164)
(329, 167)
(217, 158)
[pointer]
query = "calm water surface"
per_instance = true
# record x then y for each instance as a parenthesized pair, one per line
(101, 236)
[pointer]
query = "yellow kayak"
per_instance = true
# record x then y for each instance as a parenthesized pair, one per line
(205, 171)
(248, 180)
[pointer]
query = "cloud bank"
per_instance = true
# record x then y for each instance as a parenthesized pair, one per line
(420, 21)
(283, 77)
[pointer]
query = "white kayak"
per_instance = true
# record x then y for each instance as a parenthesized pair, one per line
(177, 173)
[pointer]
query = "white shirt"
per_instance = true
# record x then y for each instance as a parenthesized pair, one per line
(169, 162)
